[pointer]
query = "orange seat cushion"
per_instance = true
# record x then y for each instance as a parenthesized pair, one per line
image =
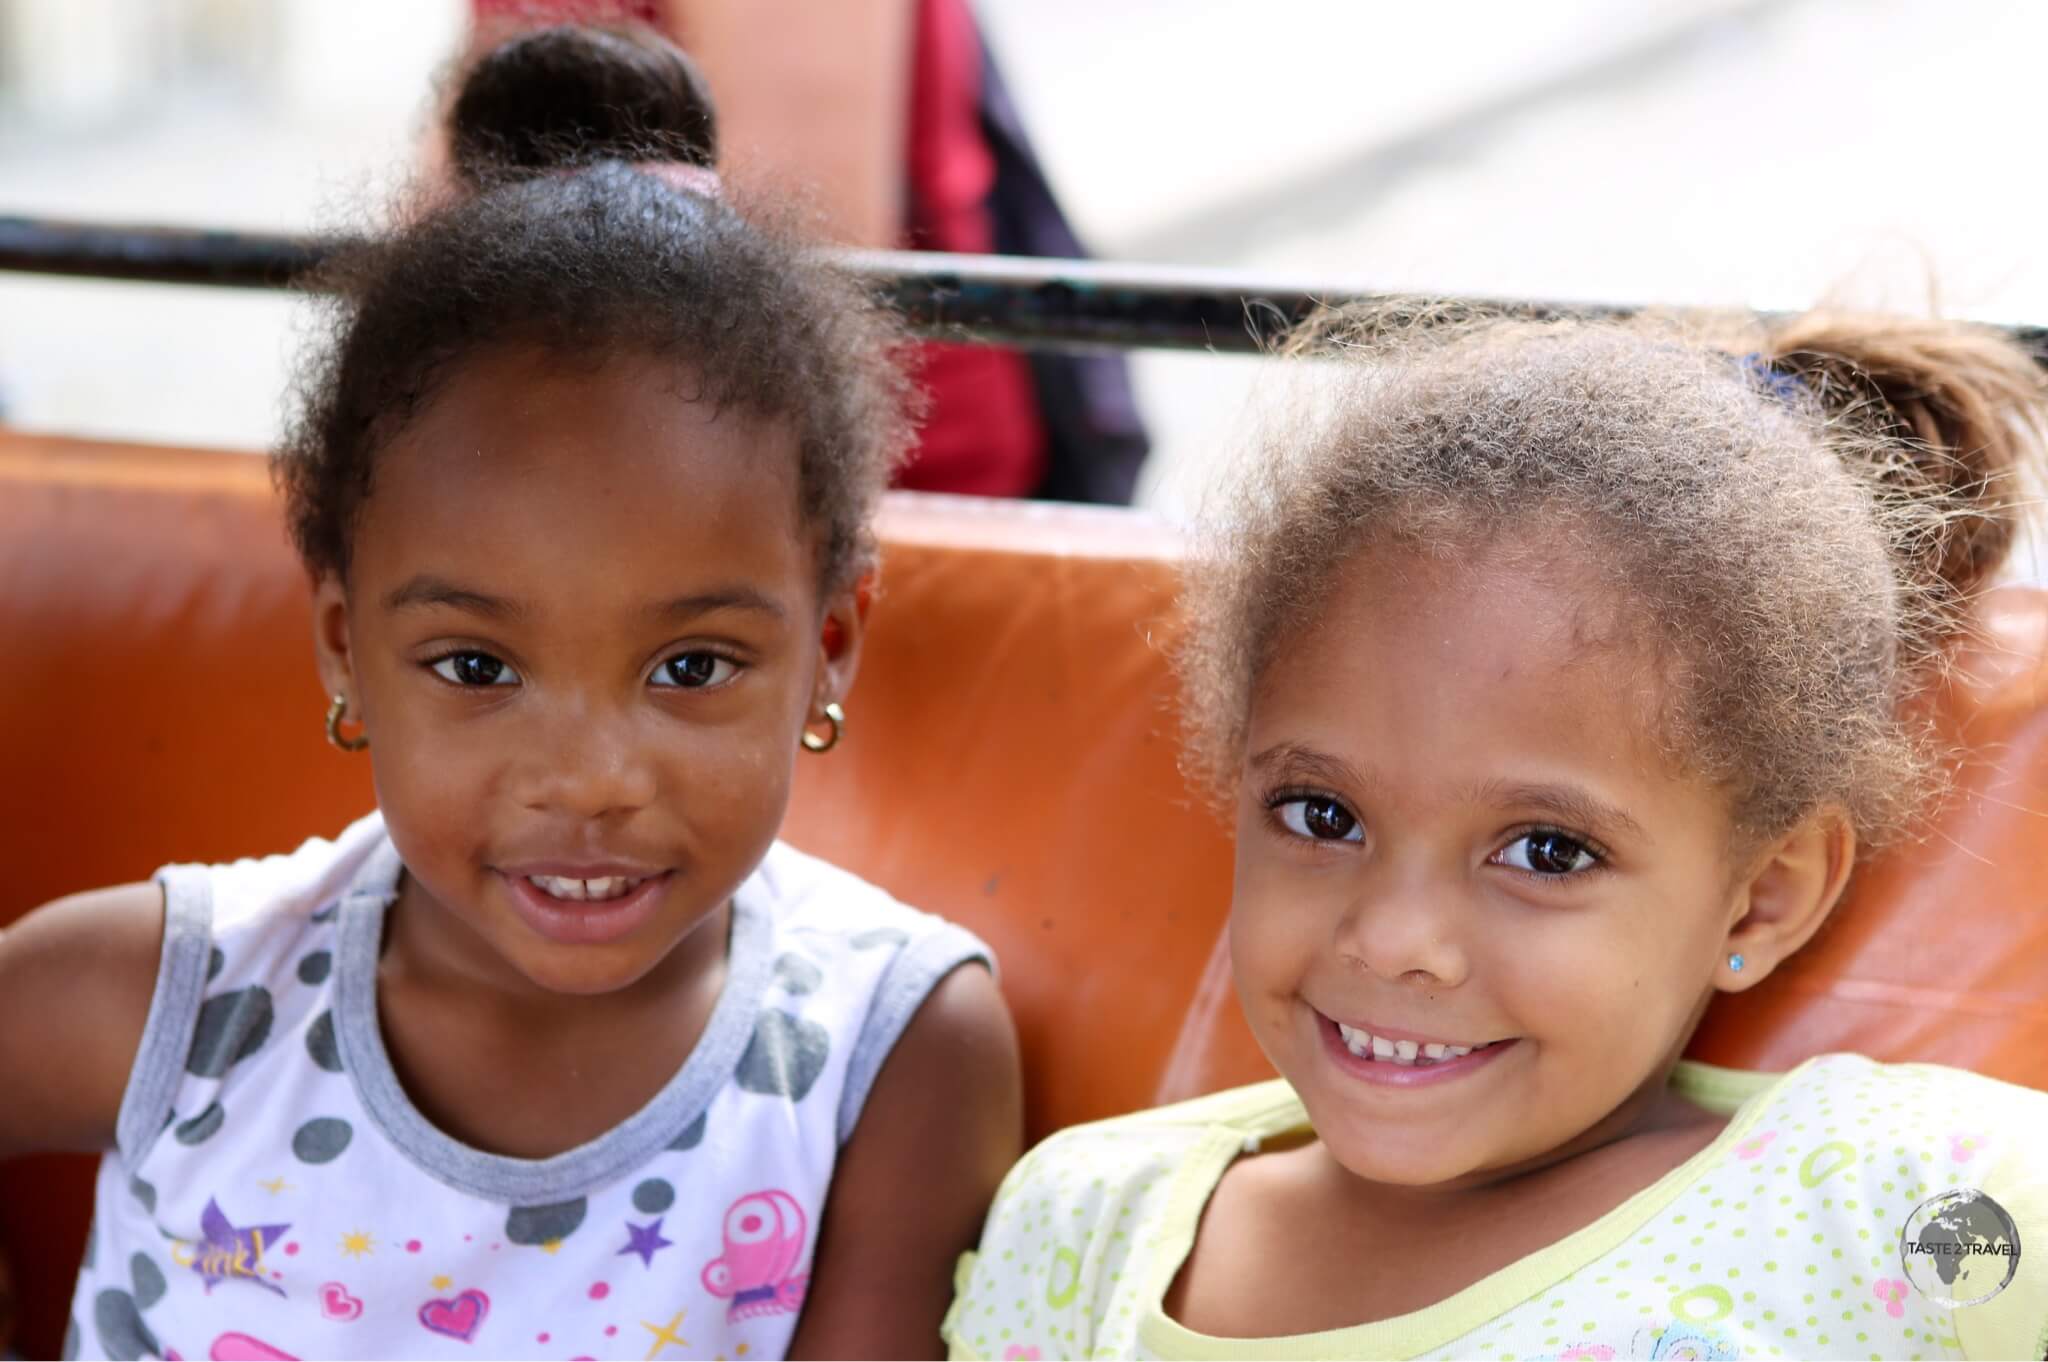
(1010, 762)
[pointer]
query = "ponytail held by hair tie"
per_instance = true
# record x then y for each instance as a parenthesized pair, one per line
(1782, 384)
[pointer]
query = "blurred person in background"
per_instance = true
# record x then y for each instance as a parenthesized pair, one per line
(7, 1311)
(891, 116)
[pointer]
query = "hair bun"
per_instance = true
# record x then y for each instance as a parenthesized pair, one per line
(565, 96)
(1961, 416)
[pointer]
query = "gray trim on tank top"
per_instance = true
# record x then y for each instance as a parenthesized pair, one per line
(909, 980)
(173, 1011)
(576, 1172)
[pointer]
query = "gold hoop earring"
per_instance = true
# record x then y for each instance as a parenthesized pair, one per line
(335, 712)
(834, 716)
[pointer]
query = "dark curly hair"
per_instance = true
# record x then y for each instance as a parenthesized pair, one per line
(565, 236)
(572, 96)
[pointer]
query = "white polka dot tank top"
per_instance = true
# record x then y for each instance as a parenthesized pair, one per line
(275, 1194)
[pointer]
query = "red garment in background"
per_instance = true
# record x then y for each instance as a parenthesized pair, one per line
(982, 433)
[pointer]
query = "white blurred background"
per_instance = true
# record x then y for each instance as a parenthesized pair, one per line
(1692, 151)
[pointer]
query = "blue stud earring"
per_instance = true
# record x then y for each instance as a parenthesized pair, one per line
(1735, 964)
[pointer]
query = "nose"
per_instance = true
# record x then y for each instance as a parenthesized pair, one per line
(588, 763)
(1407, 932)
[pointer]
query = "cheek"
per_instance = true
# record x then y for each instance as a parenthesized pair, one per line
(754, 744)
(1279, 925)
(1617, 981)
(425, 781)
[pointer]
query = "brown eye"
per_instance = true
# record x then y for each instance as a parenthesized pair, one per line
(1320, 818)
(1548, 853)
(475, 669)
(694, 671)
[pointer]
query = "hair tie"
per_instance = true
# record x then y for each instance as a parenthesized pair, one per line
(678, 175)
(1782, 384)
(691, 179)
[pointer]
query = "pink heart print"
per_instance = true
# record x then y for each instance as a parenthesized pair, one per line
(243, 1348)
(458, 1318)
(336, 1303)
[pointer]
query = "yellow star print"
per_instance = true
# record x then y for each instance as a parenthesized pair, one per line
(665, 1334)
(274, 1185)
(442, 1283)
(356, 1243)
(551, 1246)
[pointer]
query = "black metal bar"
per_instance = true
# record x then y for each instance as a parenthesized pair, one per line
(1082, 304)
(1008, 300)
(157, 255)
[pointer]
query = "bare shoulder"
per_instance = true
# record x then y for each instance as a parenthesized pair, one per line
(963, 1033)
(942, 1126)
(76, 978)
(952, 1089)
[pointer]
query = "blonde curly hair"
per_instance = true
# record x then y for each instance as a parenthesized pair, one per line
(1792, 513)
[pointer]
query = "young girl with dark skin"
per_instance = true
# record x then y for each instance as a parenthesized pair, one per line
(1556, 677)
(582, 481)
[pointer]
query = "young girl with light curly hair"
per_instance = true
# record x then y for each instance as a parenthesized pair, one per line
(1558, 675)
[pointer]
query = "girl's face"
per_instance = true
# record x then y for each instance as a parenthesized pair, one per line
(582, 631)
(1454, 832)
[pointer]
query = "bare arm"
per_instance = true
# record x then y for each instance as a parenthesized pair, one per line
(941, 1127)
(76, 978)
(811, 96)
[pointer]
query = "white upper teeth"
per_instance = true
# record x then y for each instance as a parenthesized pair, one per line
(584, 891)
(1407, 1053)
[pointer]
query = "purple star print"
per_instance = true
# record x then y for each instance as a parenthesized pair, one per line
(230, 1251)
(645, 1240)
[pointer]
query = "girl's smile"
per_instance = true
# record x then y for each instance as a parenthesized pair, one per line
(1376, 1056)
(586, 910)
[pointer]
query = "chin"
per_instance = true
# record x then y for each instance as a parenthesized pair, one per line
(1416, 1161)
(579, 971)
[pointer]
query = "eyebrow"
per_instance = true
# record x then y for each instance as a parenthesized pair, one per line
(1568, 802)
(1295, 761)
(737, 597)
(427, 592)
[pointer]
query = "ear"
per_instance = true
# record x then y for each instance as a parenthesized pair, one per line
(839, 642)
(1788, 893)
(332, 653)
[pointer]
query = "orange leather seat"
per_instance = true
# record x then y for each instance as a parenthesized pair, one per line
(1010, 763)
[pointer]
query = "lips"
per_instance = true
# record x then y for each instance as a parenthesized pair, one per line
(1404, 1059)
(584, 904)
